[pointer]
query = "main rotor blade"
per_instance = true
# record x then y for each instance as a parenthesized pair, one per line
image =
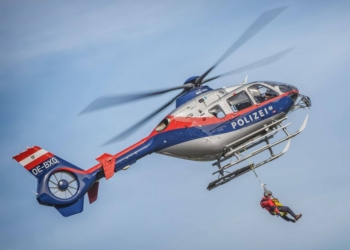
(253, 29)
(141, 122)
(258, 64)
(113, 100)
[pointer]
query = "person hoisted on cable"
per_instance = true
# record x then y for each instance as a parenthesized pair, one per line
(274, 207)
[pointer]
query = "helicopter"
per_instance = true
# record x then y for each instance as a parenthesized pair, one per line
(206, 125)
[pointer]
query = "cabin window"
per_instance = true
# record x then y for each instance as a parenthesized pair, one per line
(261, 93)
(217, 111)
(239, 101)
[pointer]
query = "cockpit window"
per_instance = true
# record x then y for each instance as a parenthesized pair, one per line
(217, 111)
(285, 88)
(261, 93)
(239, 101)
(163, 124)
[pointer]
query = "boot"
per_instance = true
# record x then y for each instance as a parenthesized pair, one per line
(298, 216)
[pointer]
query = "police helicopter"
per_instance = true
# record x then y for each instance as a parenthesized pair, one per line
(206, 125)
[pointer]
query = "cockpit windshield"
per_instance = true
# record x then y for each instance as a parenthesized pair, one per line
(283, 87)
(262, 93)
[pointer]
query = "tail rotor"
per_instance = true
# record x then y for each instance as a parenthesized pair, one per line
(63, 185)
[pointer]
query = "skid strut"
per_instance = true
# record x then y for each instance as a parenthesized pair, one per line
(234, 149)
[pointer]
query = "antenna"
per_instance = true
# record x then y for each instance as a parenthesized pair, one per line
(245, 80)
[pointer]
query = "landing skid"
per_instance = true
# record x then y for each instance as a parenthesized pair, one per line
(237, 147)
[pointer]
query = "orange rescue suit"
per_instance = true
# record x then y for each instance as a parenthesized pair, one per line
(269, 205)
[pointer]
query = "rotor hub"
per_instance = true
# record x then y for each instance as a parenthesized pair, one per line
(192, 79)
(63, 185)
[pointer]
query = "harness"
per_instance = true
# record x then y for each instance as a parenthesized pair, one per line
(265, 204)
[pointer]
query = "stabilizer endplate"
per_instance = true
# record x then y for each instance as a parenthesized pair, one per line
(93, 192)
(108, 163)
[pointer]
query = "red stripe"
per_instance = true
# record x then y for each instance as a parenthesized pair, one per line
(188, 122)
(132, 147)
(26, 153)
(91, 170)
(37, 161)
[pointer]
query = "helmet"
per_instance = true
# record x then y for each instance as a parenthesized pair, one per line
(267, 193)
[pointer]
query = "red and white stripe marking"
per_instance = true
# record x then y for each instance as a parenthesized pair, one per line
(32, 157)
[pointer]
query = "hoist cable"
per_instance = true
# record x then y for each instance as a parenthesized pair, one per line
(251, 165)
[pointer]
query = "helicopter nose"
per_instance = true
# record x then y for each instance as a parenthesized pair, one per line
(292, 91)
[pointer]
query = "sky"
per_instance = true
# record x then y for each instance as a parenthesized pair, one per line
(58, 56)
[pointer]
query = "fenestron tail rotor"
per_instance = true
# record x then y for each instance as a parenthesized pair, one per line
(63, 184)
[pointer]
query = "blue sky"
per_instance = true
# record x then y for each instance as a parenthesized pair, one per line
(56, 57)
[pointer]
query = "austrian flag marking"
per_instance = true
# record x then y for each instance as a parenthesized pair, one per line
(33, 157)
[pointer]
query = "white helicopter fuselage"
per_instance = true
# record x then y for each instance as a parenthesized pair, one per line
(213, 119)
